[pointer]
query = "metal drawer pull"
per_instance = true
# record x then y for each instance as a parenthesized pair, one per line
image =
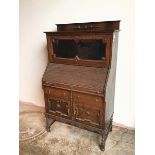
(88, 113)
(76, 27)
(64, 93)
(58, 105)
(96, 100)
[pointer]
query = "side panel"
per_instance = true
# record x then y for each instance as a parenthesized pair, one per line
(110, 86)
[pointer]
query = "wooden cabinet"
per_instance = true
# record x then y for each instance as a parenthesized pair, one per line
(79, 80)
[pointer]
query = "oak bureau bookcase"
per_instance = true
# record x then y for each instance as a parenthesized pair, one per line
(79, 80)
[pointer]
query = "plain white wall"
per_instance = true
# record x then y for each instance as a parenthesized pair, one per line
(38, 16)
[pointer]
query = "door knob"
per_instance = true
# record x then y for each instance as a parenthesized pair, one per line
(58, 105)
(88, 113)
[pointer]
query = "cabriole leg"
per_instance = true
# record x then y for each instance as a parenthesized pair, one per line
(108, 127)
(111, 125)
(49, 122)
(102, 145)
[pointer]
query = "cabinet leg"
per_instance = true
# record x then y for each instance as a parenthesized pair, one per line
(49, 122)
(102, 145)
(106, 130)
(110, 126)
(111, 129)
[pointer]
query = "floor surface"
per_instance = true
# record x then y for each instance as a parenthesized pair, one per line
(65, 139)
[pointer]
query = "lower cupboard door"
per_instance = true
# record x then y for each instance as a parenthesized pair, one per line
(87, 115)
(58, 107)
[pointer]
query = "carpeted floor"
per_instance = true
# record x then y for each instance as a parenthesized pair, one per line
(66, 139)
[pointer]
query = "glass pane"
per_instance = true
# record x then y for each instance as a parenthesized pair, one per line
(88, 49)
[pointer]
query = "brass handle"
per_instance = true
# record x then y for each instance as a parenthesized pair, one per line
(74, 112)
(77, 98)
(76, 58)
(76, 27)
(86, 26)
(88, 113)
(64, 93)
(96, 100)
(98, 114)
(49, 100)
(58, 105)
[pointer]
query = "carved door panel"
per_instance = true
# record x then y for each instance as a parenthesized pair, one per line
(59, 107)
(87, 115)
(58, 101)
(87, 109)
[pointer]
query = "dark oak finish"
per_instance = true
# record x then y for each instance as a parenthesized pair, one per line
(79, 81)
(91, 26)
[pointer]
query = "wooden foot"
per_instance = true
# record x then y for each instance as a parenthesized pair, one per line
(110, 126)
(102, 145)
(111, 129)
(111, 123)
(106, 130)
(49, 122)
